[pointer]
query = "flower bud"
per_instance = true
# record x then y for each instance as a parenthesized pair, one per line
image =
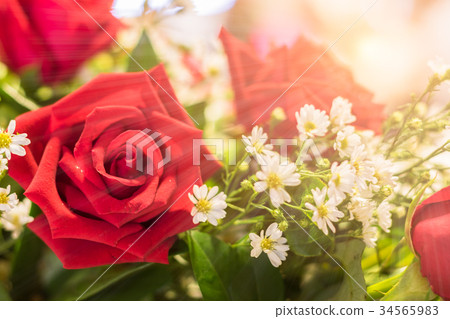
(397, 117)
(278, 114)
(283, 226)
(246, 184)
(323, 163)
(309, 199)
(386, 191)
(421, 109)
(425, 176)
(414, 124)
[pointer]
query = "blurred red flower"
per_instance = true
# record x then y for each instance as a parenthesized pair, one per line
(430, 233)
(259, 82)
(56, 36)
(84, 176)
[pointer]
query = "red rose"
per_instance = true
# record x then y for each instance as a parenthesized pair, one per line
(258, 83)
(430, 233)
(55, 35)
(76, 169)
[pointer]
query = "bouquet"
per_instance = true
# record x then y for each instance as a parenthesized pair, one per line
(157, 171)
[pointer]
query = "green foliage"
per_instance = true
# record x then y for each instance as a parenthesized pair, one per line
(349, 255)
(144, 56)
(411, 287)
(221, 271)
(307, 240)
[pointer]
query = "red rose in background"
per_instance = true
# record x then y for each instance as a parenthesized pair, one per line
(96, 201)
(430, 233)
(55, 35)
(258, 82)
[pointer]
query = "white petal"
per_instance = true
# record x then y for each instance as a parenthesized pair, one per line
(274, 259)
(12, 127)
(212, 192)
(260, 186)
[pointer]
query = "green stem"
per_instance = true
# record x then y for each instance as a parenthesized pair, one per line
(405, 120)
(230, 177)
(430, 156)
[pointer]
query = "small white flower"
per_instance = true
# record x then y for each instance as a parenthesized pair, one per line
(272, 243)
(274, 176)
(341, 182)
(384, 216)
(16, 218)
(325, 212)
(364, 170)
(346, 141)
(311, 122)
(438, 66)
(3, 164)
(209, 205)
(341, 113)
(370, 235)
(361, 209)
(383, 173)
(7, 201)
(10, 143)
(256, 144)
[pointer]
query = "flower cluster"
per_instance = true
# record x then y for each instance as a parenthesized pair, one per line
(13, 214)
(355, 184)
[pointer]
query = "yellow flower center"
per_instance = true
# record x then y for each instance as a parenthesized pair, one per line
(356, 166)
(203, 206)
(258, 147)
(4, 198)
(5, 140)
(344, 143)
(274, 181)
(309, 126)
(322, 211)
(337, 180)
(267, 244)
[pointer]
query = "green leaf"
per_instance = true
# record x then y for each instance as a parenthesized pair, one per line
(224, 272)
(409, 215)
(353, 286)
(4, 296)
(197, 112)
(307, 240)
(135, 284)
(411, 287)
(144, 56)
(212, 263)
(25, 278)
(257, 279)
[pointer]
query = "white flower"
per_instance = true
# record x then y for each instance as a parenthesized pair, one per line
(363, 167)
(341, 182)
(346, 141)
(325, 212)
(16, 218)
(383, 173)
(209, 205)
(274, 176)
(361, 209)
(311, 122)
(3, 164)
(272, 243)
(370, 235)
(256, 144)
(384, 216)
(341, 113)
(438, 66)
(7, 201)
(10, 143)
